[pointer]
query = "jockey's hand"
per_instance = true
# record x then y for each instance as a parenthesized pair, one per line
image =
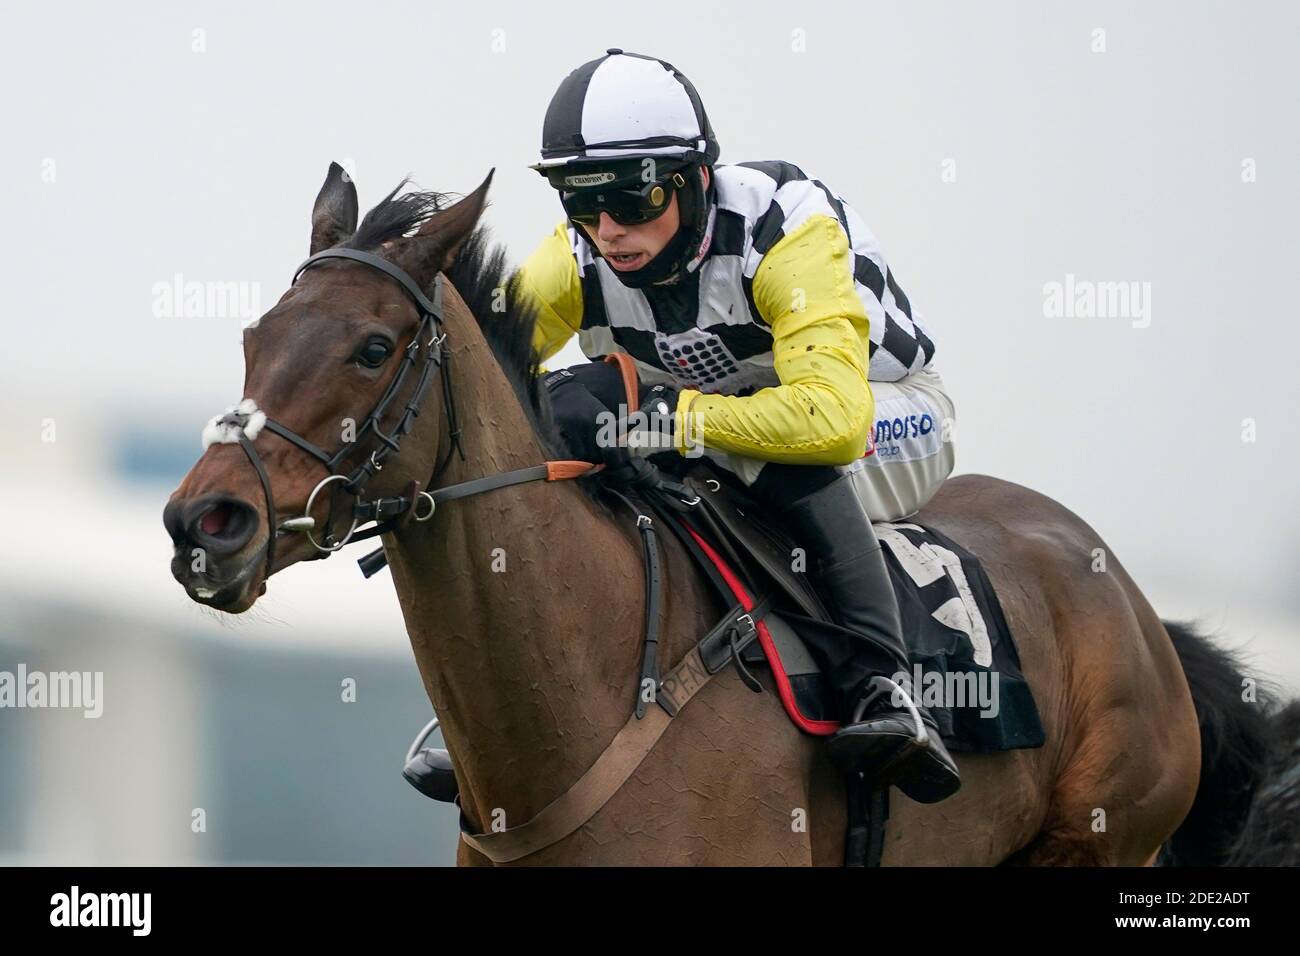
(650, 427)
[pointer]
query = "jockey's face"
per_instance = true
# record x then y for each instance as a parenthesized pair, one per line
(628, 248)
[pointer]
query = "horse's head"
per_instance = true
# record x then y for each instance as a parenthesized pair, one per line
(334, 375)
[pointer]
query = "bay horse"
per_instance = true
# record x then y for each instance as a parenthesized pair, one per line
(524, 605)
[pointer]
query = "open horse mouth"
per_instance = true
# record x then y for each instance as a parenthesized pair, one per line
(213, 587)
(215, 554)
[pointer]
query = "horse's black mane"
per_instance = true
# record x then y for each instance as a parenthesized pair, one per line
(395, 216)
(482, 277)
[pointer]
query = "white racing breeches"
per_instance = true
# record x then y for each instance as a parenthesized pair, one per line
(913, 448)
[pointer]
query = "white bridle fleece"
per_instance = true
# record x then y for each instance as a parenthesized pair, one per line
(218, 431)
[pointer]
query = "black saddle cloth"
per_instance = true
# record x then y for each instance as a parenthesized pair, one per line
(966, 668)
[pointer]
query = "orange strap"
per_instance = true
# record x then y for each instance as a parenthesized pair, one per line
(560, 470)
(627, 366)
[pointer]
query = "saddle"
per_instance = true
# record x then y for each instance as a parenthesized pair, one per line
(956, 633)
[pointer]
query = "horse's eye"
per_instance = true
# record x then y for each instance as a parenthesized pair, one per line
(374, 353)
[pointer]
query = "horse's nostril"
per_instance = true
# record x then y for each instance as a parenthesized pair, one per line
(218, 523)
(216, 520)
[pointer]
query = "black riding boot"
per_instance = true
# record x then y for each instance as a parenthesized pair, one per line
(880, 736)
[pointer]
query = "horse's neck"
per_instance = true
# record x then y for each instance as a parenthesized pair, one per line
(524, 609)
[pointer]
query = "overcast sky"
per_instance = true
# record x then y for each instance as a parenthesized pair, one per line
(994, 148)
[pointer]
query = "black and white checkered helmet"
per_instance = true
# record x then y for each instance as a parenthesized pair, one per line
(625, 106)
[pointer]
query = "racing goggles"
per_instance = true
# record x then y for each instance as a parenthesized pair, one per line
(627, 207)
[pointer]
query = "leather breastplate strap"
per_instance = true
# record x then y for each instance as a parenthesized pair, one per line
(631, 745)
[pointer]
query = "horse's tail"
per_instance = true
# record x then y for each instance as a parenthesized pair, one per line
(1271, 836)
(1243, 749)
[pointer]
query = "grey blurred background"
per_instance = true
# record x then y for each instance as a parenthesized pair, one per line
(993, 148)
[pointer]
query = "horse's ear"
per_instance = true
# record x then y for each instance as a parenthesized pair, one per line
(334, 217)
(433, 248)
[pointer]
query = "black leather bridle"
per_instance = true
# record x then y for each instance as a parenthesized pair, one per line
(426, 351)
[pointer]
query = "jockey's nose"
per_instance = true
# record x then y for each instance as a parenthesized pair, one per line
(608, 229)
(220, 524)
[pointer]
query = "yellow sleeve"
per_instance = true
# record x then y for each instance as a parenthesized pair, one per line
(822, 412)
(549, 279)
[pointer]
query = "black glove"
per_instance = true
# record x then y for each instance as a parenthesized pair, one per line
(650, 430)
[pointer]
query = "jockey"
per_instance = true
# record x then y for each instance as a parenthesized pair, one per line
(757, 307)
